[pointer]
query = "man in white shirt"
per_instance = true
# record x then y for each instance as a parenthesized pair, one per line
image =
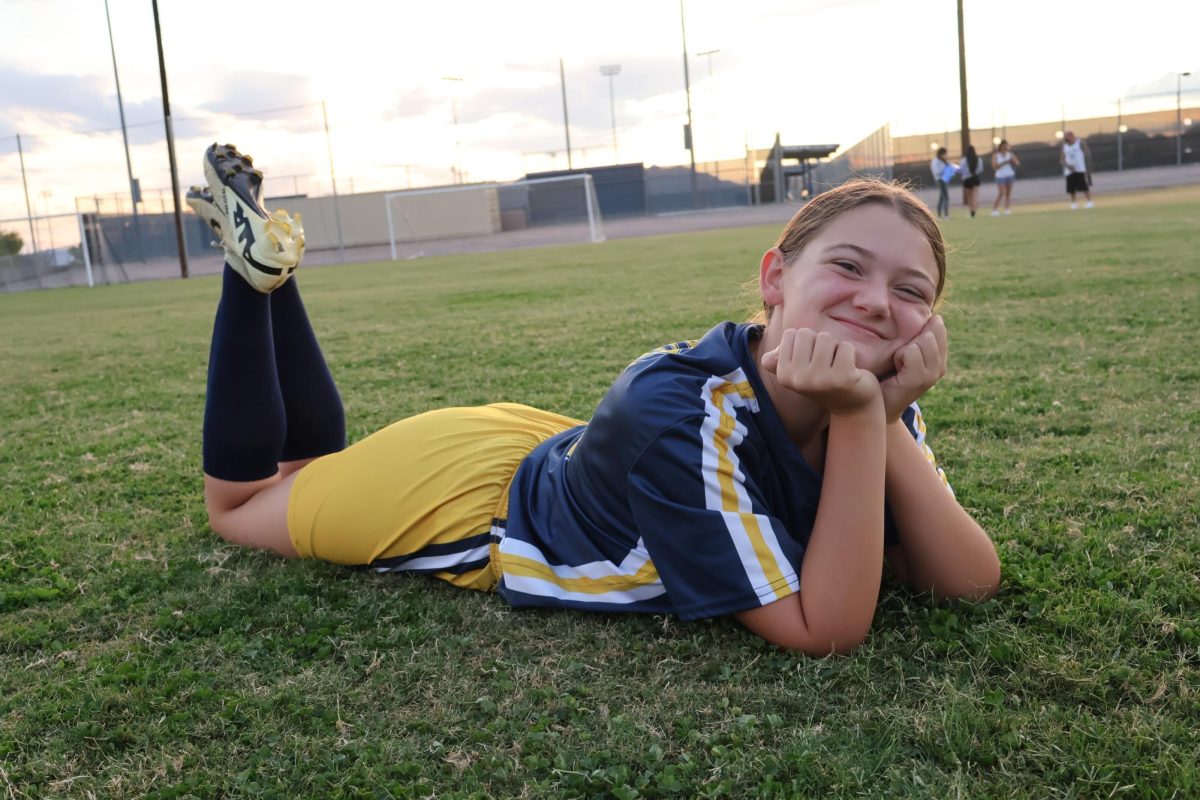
(1076, 159)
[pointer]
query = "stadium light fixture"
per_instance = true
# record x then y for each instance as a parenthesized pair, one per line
(709, 54)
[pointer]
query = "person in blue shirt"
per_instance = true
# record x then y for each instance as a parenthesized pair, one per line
(943, 172)
(762, 471)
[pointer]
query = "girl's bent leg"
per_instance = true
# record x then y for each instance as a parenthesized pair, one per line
(251, 513)
(316, 421)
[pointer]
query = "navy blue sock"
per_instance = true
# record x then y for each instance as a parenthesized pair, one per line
(244, 422)
(316, 422)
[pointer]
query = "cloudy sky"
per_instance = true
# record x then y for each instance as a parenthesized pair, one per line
(817, 71)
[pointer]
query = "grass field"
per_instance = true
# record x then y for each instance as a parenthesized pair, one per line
(142, 657)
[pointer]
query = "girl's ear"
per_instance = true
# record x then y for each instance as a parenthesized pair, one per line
(770, 277)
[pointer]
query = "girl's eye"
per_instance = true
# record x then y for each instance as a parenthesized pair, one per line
(849, 266)
(915, 294)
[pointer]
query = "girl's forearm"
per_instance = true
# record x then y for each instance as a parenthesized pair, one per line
(839, 579)
(947, 552)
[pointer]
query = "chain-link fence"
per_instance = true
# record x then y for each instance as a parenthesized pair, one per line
(1120, 142)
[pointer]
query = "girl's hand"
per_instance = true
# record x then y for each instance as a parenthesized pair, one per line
(919, 365)
(822, 369)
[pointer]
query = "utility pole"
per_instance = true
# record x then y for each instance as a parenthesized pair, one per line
(562, 77)
(688, 139)
(964, 122)
(135, 193)
(337, 208)
(162, 72)
(28, 207)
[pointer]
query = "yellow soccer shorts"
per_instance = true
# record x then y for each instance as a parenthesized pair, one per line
(421, 495)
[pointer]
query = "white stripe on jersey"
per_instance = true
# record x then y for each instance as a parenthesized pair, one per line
(545, 588)
(439, 562)
(767, 568)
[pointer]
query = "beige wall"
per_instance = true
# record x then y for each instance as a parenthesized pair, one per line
(466, 212)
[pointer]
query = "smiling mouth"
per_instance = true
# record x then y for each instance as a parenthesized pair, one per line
(858, 326)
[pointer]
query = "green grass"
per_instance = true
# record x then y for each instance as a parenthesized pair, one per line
(140, 656)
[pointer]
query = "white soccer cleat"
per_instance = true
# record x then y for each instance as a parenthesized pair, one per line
(263, 248)
(995, 213)
(1090, 204)
(1074, 206)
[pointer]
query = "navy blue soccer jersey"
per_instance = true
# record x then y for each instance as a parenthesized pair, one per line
(682, 495)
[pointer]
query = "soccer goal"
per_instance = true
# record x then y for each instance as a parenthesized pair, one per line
(493, 216)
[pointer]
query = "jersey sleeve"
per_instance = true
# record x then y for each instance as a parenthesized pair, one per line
(715, 545)
(915, 422)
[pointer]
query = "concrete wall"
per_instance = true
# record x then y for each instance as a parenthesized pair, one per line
(466, 212)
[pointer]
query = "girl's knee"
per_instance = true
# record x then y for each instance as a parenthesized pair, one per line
(221, 523)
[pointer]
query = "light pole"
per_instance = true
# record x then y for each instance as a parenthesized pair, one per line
(46, 193)
(609, 70)
(1179, 117)
(1121, 129)
(712, 117)
(458, 176)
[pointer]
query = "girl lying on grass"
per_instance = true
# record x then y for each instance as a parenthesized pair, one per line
(763, 471)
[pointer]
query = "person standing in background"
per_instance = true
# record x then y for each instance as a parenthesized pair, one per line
(942, 173)
(972, 168)
(1004, 164)
(1076, 162)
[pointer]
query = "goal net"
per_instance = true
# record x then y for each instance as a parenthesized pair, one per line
(493, 216)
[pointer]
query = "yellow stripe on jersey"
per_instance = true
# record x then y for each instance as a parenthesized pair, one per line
(527, 567)
(919, 424)
(634, 579)
(674, 347)
(752, 534)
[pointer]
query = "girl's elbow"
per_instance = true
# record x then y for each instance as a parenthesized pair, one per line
(822, 647)
(982, 585)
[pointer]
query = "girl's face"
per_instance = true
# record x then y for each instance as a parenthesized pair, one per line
(869, 278)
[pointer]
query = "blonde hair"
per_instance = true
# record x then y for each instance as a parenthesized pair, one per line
(828, 206)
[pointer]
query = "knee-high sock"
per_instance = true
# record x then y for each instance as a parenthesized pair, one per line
(244, 422)
(316, 422)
